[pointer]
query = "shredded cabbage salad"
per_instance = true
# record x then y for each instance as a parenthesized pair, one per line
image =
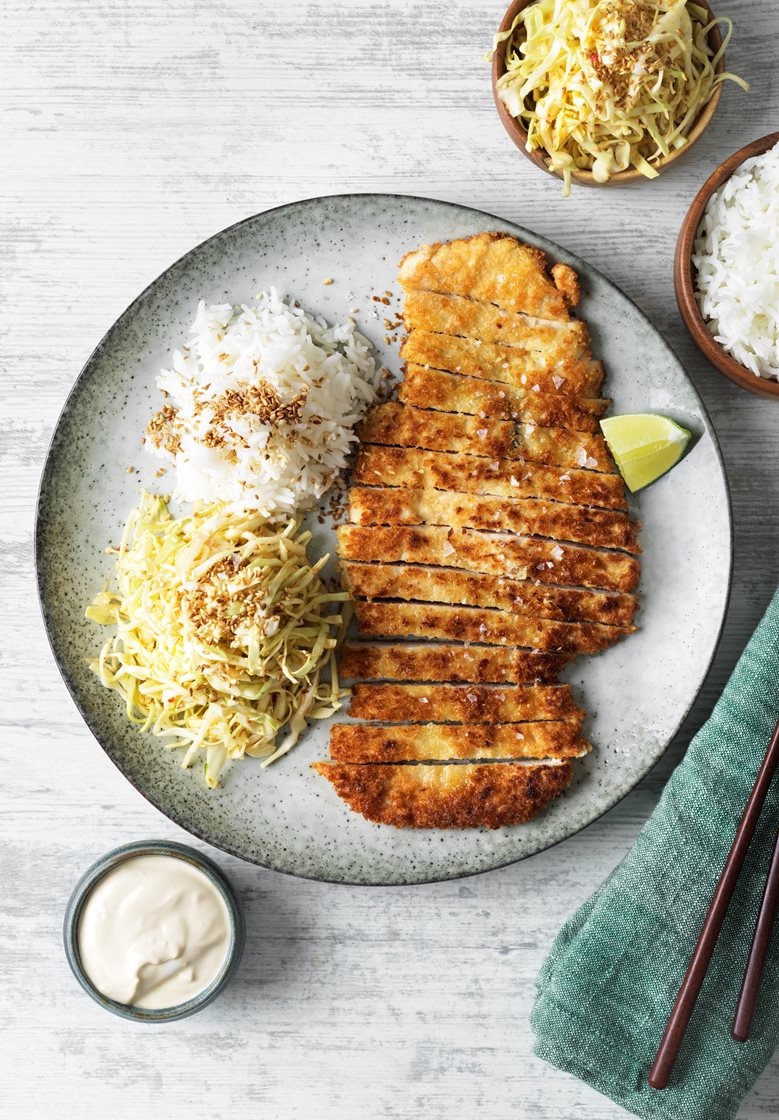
(604, 85)
(225, 633)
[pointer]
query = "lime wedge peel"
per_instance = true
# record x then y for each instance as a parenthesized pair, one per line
(644, 445)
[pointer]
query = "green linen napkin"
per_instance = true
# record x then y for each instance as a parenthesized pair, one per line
(608, 985)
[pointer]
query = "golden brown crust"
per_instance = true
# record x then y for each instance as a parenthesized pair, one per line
(454, 392)
(431, 661)
(491, 553)
(567, 283)
(457, 315)
(457, 703)
(399, 425)
(530, 516)
(494, 447)
(474, 474)
(439, 742)
(430, 584)
(508, 365)
(474, 624)
(493, 267)
(489, 795)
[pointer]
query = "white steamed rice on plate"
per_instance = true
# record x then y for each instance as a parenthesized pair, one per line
(260, 405)
(736, 255)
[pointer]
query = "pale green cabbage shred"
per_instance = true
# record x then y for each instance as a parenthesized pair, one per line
(552, 88)
(221, 698)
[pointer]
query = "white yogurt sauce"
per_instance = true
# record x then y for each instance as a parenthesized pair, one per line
(153, 932)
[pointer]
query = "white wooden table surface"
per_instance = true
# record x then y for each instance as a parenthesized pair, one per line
(132, 129)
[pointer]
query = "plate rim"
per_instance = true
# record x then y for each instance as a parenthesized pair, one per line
(48, 466)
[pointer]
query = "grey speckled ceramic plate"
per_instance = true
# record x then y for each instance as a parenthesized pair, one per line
(286, 817)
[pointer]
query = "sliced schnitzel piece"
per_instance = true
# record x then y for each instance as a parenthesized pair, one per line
(493, 267)
(463, 703)
(489, 543)
(454, 392)
(531, 516)
(475, 624)
(456, 315)
(474, 474)
(456, 796)
(431, 661)
(452, 585)
(492, 553)
(399, 425)
(438, 742)
(531, 369)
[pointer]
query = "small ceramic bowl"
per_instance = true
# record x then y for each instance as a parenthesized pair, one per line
(684, 275)
(519, 135)
(174, 851)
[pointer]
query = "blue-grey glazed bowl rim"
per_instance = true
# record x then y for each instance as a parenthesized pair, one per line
(213, 873)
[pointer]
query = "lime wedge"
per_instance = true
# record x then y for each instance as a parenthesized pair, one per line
(644, 446)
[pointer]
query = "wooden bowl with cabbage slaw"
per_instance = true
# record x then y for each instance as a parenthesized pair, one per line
(540, 157)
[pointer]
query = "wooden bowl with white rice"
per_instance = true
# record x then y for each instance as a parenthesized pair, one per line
(726, 271)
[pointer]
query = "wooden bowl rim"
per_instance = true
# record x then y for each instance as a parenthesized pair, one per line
(519, 135)
(684, 283)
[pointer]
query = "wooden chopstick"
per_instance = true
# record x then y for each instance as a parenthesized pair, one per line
(675, 1029)
(753, 974)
